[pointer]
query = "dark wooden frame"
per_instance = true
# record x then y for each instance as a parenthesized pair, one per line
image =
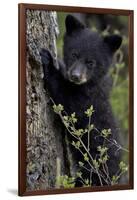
(22, 98)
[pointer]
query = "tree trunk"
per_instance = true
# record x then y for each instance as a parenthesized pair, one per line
(45, 156)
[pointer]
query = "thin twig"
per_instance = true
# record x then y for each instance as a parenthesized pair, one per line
(89, 132)
(116, 144)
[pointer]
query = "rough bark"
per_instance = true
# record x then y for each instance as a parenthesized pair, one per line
(45, 157)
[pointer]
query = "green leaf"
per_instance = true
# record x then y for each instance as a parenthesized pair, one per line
(86, 158)
(114, 179)
(106, 132)
(120, 65)
(86, 130)
(79, 174)
(105, 158)
(65, 182)
(81, 164)
(96, 164)
(65, 118)
(91, 127)
(86, 181)
(73, 143)
(77, 144)
(66, 124)
(73, 114)
(58, 108)
(123, 167)
(89, 111)
(102, 150)
(73, 118)
(78, 132)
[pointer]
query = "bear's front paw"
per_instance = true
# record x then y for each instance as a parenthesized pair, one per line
(46, 57)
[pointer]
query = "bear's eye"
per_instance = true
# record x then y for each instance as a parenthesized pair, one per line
(91, 63)
(74, 55)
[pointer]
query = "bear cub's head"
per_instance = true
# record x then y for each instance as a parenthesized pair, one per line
(87, 55)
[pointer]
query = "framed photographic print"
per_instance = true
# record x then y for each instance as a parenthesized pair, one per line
(75, 99)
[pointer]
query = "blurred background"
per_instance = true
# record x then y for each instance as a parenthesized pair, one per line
(109, 24)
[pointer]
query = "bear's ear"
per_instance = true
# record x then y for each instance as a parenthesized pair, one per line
(113, 42)
(73, 24)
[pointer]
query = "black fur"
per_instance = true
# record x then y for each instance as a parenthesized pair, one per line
(81, 81)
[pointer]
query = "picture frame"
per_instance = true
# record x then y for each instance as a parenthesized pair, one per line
(23, 53)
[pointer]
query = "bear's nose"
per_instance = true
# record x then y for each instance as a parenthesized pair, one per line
(75, 76)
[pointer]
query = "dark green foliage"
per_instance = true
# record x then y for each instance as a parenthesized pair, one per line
(98, 165)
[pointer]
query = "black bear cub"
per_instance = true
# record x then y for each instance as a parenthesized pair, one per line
(82, 80)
